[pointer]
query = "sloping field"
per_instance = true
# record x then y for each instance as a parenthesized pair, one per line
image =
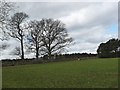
(92, 73)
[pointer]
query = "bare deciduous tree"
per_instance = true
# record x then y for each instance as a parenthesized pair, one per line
(54, 36)
(16, 27)
(34, 37)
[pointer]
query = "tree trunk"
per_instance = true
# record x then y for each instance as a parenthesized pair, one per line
(49, 55)
(22, 49)
(37, 53)
(37, 50)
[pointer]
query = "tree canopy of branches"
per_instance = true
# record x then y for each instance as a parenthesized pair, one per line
(5, 10)
(109, 49)
(54, 36)
(16, 27)
(48, 36)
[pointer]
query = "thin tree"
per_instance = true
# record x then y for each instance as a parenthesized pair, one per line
(34, 37)
(16, 27)
(16, 51)
(54, 36)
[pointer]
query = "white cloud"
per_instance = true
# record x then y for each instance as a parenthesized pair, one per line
(95, 14)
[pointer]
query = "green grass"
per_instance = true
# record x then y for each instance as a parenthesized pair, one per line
(96, 73)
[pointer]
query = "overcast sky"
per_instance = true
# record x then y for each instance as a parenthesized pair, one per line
(88, 23)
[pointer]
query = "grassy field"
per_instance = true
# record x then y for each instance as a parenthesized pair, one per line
(93, 73)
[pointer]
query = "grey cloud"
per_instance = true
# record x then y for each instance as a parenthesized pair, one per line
(100, 14)
(38, 10)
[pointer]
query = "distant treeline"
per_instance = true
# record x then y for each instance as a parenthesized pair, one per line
(74, 55)
(44, 59)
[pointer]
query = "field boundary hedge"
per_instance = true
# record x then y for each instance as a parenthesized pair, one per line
(14, 62)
